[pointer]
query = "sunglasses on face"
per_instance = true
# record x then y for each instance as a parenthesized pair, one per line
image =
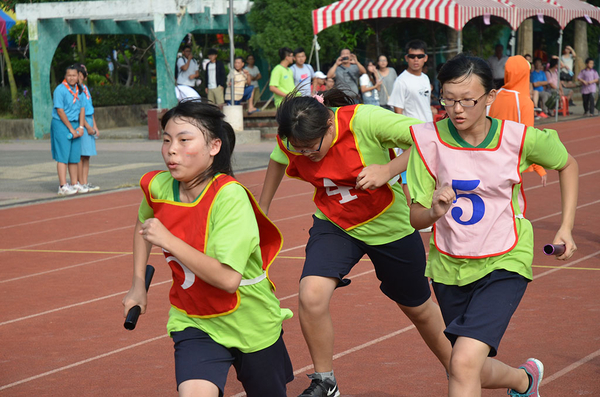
(413, 56)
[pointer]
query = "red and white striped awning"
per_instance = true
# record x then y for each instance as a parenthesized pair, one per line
(452, 13)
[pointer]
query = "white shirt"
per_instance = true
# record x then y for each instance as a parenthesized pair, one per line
(184, 75)
(184, 92)
(212, 75)
(366, 81)
(253, 72)
(412, 94)
(497, 66)
(303, 77)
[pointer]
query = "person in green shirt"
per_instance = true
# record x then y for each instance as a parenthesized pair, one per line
(282, 77)
(464, 178)
(344, 151)
(219, 246)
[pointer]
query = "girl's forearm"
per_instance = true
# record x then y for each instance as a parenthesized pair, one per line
(273, 177)
(569, 188)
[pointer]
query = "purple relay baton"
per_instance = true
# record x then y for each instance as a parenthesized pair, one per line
(554, 249)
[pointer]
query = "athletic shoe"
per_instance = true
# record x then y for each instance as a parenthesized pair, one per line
(571, 103)
(535, 371)
(321, 388)
(537, 109)
(91, 187)
(80, 188)
(66, 190)
(543, 115)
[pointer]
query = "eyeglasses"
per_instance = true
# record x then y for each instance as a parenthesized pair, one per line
(465, 103)
(305, 151)
(413, 56)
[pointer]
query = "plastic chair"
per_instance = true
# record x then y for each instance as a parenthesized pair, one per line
(563, 106)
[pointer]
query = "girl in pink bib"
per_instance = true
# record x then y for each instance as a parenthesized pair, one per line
(465, 179)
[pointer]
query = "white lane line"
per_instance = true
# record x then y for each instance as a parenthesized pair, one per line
(75, 305)
(571, 367)
(560, 212)
(68, 216)
(80, 363)
(349, 351)
(63, 268)
(555, 182)
(66, 238)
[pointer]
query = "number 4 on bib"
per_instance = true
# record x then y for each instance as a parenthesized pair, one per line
(333, 189)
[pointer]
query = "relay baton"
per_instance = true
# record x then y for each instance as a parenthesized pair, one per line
(134, 313)
(554, 249)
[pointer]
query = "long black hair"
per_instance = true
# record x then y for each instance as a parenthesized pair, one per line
(461, 67)
(210, 120)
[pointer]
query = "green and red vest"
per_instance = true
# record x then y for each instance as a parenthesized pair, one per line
(189, 222)
(334, 177)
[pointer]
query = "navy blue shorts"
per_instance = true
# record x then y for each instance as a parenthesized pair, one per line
(262, 373)
(399, 265)
(481, 310)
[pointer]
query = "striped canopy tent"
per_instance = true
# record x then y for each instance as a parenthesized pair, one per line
(452, 13)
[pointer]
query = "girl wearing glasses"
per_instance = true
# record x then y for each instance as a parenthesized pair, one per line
(343, 150)
(464, 178)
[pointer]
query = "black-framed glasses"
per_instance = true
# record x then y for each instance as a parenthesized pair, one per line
(413, 56)
(465, 103)
(305, 151)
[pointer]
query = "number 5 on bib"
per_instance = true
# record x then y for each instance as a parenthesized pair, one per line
(476, 201)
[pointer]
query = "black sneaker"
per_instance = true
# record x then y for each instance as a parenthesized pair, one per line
(321, 388)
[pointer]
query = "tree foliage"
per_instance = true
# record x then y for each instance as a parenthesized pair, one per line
(288, 23)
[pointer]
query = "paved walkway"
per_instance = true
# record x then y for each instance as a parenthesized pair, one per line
(28, 173)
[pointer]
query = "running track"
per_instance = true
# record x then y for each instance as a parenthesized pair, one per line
(66, 265)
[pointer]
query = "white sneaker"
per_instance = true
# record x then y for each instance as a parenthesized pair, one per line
(66, 190)
(91, 187)
(80, 188)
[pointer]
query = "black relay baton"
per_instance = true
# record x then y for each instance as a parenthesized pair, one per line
(134, 313)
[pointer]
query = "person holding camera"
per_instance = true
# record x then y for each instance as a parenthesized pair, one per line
(346, 71)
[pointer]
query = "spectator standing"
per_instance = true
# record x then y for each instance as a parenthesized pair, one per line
(244, 91)
(589, 80)
(68, 119)
(187, 67)
(215, 78)
(411, 94)
(566, 65)
(497, 62)
(370, 84)
(346, 71)
(514, 103)
(303, 72)
(90, 134)
(539, 81)
(254, 73)
(282, 78)
(388, 75)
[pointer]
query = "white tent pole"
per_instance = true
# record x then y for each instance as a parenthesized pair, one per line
(512, 43)
(459, 42)
(231, 52)
(560, 38)
(317, 48)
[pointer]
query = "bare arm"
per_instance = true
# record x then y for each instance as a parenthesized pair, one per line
(207, 268)
(376, 175)
(141, 252)
(331, 71)
(569, 187)
(273, 177)
(276, 90)
(421, 217)
(398, 110)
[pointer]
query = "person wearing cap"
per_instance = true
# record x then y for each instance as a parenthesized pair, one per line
(319, 82)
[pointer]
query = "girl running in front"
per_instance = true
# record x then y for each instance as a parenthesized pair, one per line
(464, 177)
(344, 152)
(219, 246)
